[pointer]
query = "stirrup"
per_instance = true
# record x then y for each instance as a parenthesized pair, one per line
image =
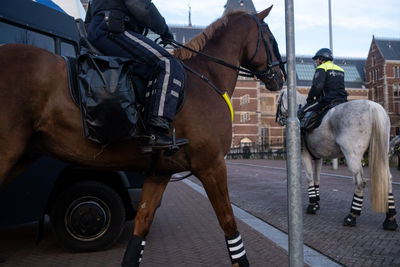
(169, 149)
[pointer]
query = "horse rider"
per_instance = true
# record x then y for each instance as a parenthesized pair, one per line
(116, 28)
(327, 85)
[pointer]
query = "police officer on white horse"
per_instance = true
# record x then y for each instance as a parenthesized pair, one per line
(327, 86)
(116, 28)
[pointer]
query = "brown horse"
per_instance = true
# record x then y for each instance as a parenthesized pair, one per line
(38, 117)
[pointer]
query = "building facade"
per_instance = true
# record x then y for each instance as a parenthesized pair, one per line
(382, 70)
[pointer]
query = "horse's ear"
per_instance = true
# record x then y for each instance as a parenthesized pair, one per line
(263, 14)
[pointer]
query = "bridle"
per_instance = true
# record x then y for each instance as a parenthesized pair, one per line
(268, 72)
(279, 116)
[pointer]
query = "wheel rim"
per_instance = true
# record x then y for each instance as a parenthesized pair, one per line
(87, 218)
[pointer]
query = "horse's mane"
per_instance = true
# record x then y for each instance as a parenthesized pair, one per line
(199, 41)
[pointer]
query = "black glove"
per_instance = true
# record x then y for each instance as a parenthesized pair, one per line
(166, 37)
(300, 113)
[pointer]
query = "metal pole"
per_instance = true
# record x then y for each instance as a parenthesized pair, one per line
(335, 160)
(330, 26)
(295, 224)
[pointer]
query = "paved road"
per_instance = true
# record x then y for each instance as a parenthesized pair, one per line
(265, 196)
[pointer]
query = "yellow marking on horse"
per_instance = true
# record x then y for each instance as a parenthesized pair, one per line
(229, 103)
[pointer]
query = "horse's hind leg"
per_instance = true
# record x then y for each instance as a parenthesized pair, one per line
(12, 147)
(214, 180)
(355, 167)
(153, 189)
(390, 221)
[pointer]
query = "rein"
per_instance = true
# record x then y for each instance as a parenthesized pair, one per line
(268, 71)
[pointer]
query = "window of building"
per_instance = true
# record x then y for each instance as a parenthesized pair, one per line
(244, 117)
(396, 89)
(264, 136)
(244, 100)
(396, 70)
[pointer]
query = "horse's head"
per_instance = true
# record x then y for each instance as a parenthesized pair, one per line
(282, 111)
(262, 53)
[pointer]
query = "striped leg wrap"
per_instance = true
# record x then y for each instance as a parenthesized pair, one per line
(134, 251)
(391, 208)
(236, 250)
(356, 206)
(312, 194)
(317, 191)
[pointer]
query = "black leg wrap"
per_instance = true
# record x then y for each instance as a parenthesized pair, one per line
(391, 207)
(312, 194)
(390, 222)
(236, 250)
(317, 191)
(350, 220)
(356, 206)
(134, 252)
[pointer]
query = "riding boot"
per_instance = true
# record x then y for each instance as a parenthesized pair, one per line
(158, 129)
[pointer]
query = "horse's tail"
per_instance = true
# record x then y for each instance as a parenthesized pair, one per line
(379, 158)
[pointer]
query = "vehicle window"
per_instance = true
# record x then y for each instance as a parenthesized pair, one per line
(67, 49)
(41, 40)
(11, 34)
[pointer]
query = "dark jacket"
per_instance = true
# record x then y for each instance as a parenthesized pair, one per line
(328, 84)
(141, 13)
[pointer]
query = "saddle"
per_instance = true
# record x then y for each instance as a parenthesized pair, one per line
(313, 119)
(111, 92)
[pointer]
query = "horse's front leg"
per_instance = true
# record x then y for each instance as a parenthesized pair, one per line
(214, 180)
(309, 169)
(316, 177)
(153, 189)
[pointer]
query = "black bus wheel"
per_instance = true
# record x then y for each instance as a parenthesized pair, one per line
(88, 216)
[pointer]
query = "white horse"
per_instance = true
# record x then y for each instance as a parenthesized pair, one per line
(348, 130)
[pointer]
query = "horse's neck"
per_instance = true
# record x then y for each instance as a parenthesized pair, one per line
(223, 77)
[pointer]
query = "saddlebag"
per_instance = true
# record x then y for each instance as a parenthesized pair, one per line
(108, 102)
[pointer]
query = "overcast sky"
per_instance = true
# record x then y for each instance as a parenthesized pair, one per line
(354, 21)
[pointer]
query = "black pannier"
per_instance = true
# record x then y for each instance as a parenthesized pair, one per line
(108, 101)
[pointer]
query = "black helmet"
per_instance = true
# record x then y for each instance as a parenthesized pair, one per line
(324, 54)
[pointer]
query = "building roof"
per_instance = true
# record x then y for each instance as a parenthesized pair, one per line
(305, 66)
(390, 48)
(353, 69)
(184, 34)
(245, 5)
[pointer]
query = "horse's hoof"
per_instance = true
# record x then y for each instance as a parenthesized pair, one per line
(349, 221)
(390, 224)
(312, 208)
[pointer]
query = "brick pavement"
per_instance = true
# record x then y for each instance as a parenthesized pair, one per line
(265, 196)
(185, 233)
